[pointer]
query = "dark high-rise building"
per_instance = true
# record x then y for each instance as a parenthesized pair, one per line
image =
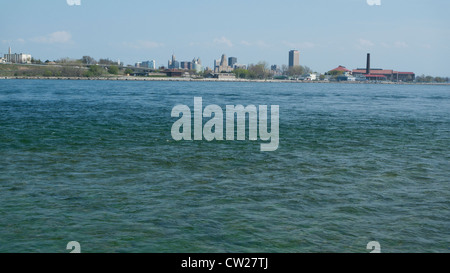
(232, 61)
(294, 58)
(184, 65)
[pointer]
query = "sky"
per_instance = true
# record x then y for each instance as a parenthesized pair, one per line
(404, 35)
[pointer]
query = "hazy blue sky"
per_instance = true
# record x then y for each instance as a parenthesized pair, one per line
(405, 35)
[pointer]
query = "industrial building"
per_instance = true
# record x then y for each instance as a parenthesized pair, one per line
(378, 74)
(17, 58)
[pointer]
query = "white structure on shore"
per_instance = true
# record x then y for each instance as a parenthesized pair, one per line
(17, 58)
(310, 77)
(197, 65)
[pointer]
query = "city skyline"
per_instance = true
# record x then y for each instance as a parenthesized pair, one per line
(412, 37)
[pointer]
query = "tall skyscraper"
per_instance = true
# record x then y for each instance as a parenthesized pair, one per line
(294, 58)
(224, 61)
(232, 61)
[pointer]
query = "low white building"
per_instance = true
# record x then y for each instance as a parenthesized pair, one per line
(309, 77)
(17, 58)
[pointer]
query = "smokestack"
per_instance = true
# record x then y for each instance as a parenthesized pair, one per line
(368, 64)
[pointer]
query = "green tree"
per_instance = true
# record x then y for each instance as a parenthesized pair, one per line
(258, 71)
(34, 61)
(88, 60)
(107, 62)
(113, 70)
(128, 71)
(94, 71)
(439, 79)
(241, 73)
(335, 73)
(296, 71)
(307, 70)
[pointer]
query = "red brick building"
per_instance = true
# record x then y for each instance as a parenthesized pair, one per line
(385, 74)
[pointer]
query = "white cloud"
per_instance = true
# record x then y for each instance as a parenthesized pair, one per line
(258, 43)
(302, 45)
(400, 45)
(365, 43)
(74, 2)
(261, 44)
(12, 42)
(223, 41)
(397, 44)
(194, 44)
(58, 37)
(143, 44)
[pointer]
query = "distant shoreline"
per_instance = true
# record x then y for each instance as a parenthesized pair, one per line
(130, 78)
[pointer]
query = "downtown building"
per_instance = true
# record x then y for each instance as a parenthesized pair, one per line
(186, 65)
(148, 64)
(232, 61)
(195, 65)
(173, 64)
(294, 58)
(221, 66)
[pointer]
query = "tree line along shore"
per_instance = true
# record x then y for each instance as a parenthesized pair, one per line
(81, 71)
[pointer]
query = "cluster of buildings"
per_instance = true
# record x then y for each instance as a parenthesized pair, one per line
(224, 67)
(372, 74)
(16, 58)
(146, 64)
(195, 64)
(227, 65)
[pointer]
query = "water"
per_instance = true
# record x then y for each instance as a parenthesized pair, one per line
(94, 162)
